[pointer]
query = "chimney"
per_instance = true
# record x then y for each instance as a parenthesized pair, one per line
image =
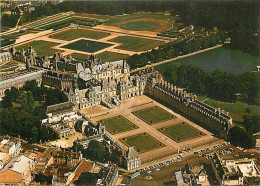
(171, 87)
(227, 113)
(160, 77)
(195, 97)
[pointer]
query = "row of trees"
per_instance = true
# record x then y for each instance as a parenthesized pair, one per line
(218, 85)
(22, 110)
(175, 49)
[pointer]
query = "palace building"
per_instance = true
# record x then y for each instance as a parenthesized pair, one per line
(105, 84)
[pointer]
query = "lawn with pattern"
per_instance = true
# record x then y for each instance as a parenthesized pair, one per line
(118, 124)
(153, 115)
(142, 142)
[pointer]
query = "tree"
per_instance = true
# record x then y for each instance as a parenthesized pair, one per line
(87, 178)
(240, 137)
(96, 151)
(251, 123)
(43, 179)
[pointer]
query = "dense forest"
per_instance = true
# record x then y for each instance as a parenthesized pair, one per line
(21, 112)
(218, 85)
(239, 19)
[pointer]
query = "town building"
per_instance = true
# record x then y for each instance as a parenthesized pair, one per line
(18, 171)
(109, 177)
(234, 171)
(63, 124)
(10, 146)
(5, 57)
(45, 159)
(4, 157)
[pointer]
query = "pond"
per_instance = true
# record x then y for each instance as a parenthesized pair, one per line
(233, 61)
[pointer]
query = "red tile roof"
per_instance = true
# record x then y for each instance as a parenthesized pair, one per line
(85, 166)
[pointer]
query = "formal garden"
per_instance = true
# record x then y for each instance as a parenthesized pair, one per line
(181, 132)
(153, 115)
(142, 142)
(118, 124)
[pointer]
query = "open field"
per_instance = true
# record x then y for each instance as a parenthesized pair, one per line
(87, 46)
(181, 132)
(237, 110)
(153, 115)
(118, 124)
(142, 21)
(41, 47)
(136, 43)
(142, 142)
(77, 33)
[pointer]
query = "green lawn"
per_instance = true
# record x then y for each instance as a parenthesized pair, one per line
(41, 47)
(181, 132)
(136, 44)
(80, 57)
(142, 21)
(140, 25)
(236, 110)
(118, 124)
(85, 45)
(76, 33)
(111, 56)
(142, 142)
(105, 56)
(153, 115)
